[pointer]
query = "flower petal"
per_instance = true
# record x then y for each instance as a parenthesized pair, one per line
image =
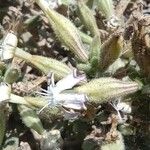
(71, 114)
(72, 100)
(4, 92)
(68, 82)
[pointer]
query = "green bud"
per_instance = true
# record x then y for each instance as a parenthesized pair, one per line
(95, 47)
(88, 18)
(18, 100)
(85, 38)
(104, 89)
(30, 119)
(92, 67)
(64, 29)
(44, 64)
(48, 64)
(11, 75)
(32, 102)
(95, 51)
(106, 8)
(84, 67)
(90, 3)
(110, 51)
(37, 102)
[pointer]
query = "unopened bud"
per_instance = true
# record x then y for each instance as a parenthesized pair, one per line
(104, 89)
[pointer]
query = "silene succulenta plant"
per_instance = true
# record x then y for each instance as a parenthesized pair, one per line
(90, 92)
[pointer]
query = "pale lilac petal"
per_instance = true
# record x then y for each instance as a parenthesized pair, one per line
(68, 82)
(72, 100)
(68, 115)
(76, 106)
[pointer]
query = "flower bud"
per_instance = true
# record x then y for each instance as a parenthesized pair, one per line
(104, 89)
(110, 51)
(48, 64)
(30, 119)
(66, 32)
(106, 8)
(95, 50)
(12, 74)
(88, 19)
(44, 64)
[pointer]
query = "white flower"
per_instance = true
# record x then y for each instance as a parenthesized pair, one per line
(68, 82)
(8, 46)
(121, 107)
(113, 22)
(69, 100)
(53, 4)
(4, 92)
(124, 107)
